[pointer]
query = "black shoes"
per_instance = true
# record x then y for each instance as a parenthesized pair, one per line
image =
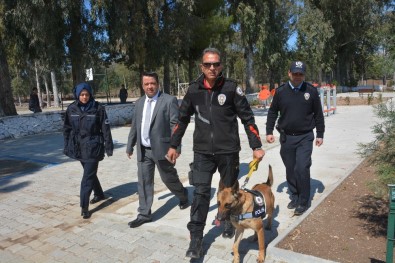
(97, 198)
(195, 249)
(293, 204)
(229, 230)
(139, 221)
(300, 210)
(184, 204)
(85, 213)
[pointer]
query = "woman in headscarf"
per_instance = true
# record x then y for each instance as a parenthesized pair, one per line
(87, 135)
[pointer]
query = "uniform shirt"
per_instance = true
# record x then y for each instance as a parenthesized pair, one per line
(300, 112)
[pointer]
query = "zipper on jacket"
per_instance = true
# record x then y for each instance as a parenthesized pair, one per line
(211, 93)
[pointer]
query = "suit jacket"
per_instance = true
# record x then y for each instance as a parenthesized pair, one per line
(164, 118)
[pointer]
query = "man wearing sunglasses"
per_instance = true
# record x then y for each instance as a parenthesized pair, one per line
(299, 107)
(216, 103)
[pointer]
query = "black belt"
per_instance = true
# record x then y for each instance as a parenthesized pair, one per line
(145, 148)
(296, 133)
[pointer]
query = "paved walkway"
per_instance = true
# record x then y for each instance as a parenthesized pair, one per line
(40, 213)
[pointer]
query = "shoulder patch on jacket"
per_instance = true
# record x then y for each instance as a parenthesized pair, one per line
(239, 91)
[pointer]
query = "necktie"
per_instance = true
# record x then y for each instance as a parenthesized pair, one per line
(147, 120)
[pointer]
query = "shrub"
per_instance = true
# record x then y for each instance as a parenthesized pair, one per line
(382, 149)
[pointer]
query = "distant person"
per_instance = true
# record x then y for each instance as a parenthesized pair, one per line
(216, 102)
(87, 136)
(154, 117)
(299, 107)
(34, 102)
(123, 94)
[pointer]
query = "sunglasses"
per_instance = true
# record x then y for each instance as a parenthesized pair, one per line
(208, 65)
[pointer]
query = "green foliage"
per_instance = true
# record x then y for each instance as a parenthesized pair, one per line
(314, 33)
(20, 86)
(382, 149)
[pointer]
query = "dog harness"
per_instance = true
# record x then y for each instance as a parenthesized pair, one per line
(259, 209)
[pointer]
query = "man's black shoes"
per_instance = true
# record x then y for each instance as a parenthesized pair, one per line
(184, 204)
(300, 210)
(293, 204)
(97, 198)
(229, 230)
(139, 221)
(195, 249)
(85, 213)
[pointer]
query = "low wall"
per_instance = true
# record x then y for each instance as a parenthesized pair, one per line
(45, 122)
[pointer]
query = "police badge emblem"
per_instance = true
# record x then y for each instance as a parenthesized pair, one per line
(307, 96)
(221, 99)
(239, 91)
(259, 200)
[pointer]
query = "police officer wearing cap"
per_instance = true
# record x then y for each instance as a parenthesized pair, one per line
(298, 108)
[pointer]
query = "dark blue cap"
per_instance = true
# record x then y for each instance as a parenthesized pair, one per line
(298, 67)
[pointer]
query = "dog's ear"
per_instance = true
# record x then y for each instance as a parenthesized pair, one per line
(221, 186)
(235, 187)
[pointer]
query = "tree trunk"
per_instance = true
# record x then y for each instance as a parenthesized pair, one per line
(250, 80)
(55, 90)
(7, 106)
(319, 75)
(38, 85)
(47, 90)
(191, 65)
(166, 75)
(75, 43)
(141, 70)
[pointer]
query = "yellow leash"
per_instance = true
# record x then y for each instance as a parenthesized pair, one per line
(253, 166)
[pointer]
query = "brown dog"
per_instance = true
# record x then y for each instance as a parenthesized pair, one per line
(239, 205)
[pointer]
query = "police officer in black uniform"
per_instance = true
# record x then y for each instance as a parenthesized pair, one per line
(216, 103)
(299, 106)
(87, 136)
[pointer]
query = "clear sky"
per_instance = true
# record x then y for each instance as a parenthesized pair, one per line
(292, 41)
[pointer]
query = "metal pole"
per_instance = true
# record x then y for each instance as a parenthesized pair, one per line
(391, 225)
(178, 81)
(322, 98)
(108, 89)
(328, 100)
(334, 99)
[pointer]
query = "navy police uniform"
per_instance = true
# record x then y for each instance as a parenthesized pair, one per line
(299, 113)
(87, 136)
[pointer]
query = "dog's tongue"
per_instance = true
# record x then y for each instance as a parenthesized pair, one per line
(217, 222)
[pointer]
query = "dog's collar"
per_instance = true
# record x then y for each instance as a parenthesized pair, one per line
(238, 218)
(259, 207)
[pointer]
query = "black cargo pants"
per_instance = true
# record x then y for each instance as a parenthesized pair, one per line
(204, 166)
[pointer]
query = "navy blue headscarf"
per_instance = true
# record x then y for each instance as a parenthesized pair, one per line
(78, 89)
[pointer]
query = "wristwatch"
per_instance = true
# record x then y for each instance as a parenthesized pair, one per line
(257, 149)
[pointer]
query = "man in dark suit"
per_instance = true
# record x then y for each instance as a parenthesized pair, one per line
(154, 117)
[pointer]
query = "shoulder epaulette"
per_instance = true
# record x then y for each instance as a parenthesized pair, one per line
(309, 84)
(281, 86)
(232, 80)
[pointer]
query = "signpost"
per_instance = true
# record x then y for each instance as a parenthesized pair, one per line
(391, 225)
